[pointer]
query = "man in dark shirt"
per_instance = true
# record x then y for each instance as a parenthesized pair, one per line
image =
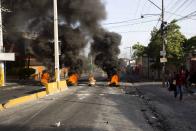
(180, 83)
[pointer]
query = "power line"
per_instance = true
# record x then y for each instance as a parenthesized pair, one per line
(125, 21)
(137, 7)
(175, 4)
(187, 6)
(144, 5)
(133, 23)
(171, 3)
(119, 22)
(154, 4)
(134, 31)
(176, 14)
(184, 17)
(179, 7)
(187, 16)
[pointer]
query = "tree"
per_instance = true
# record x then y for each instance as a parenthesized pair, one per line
(175, 42)
(190, 45)
(139, 50)
(174, 45)
(154, 47)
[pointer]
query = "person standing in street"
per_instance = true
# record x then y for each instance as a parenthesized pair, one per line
(180, 83)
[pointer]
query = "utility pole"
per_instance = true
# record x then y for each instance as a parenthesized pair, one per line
(56, 42)
(3, 56)
(163, 52)
(163, 42)
(2, 73)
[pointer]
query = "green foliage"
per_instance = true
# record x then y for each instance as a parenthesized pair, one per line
(174, 44)
(190, 45)
(175, 41)
(155, 44)
(154, 48)
(139, 50)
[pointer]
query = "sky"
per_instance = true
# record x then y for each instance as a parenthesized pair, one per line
(124, 17)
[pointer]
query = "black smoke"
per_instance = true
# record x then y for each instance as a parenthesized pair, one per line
(77, 19)
(105, 49)
(79, 22)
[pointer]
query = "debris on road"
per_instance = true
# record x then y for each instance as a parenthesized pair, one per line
(58, 124)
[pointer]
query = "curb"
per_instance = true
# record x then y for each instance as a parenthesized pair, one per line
(51, 88)
(41, 94)
(20, 100)
(62, 85)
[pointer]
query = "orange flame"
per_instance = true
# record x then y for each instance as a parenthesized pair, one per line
(115, 80)
(45, 78)
(73, 79)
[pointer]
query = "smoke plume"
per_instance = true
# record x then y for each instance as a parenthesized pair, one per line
(105, 49)
(79, 22)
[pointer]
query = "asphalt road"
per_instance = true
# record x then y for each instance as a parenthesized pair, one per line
(174, 115)
(132, 107)
(81, 108)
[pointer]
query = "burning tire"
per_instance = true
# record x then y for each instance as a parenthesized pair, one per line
(114, 81)
(73, 80)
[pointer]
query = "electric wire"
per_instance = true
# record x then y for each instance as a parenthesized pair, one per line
(178, 8)
(134, 23)
(176, 14)
(119, 22)
(134, 31)
(187, 16)
(175, 4)
(139, 2)
(171, 3)
(154, 4)
(125, 21)
(186, 7)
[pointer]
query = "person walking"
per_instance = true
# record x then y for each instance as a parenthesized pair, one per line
(180, 83)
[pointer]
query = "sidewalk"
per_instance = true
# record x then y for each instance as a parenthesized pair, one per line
(15, 90)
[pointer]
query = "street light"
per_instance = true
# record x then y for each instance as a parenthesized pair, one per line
(142, 15)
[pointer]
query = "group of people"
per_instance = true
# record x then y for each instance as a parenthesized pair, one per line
(177, 82)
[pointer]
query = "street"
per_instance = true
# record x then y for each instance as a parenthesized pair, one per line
(97, 65)
(137, 107)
